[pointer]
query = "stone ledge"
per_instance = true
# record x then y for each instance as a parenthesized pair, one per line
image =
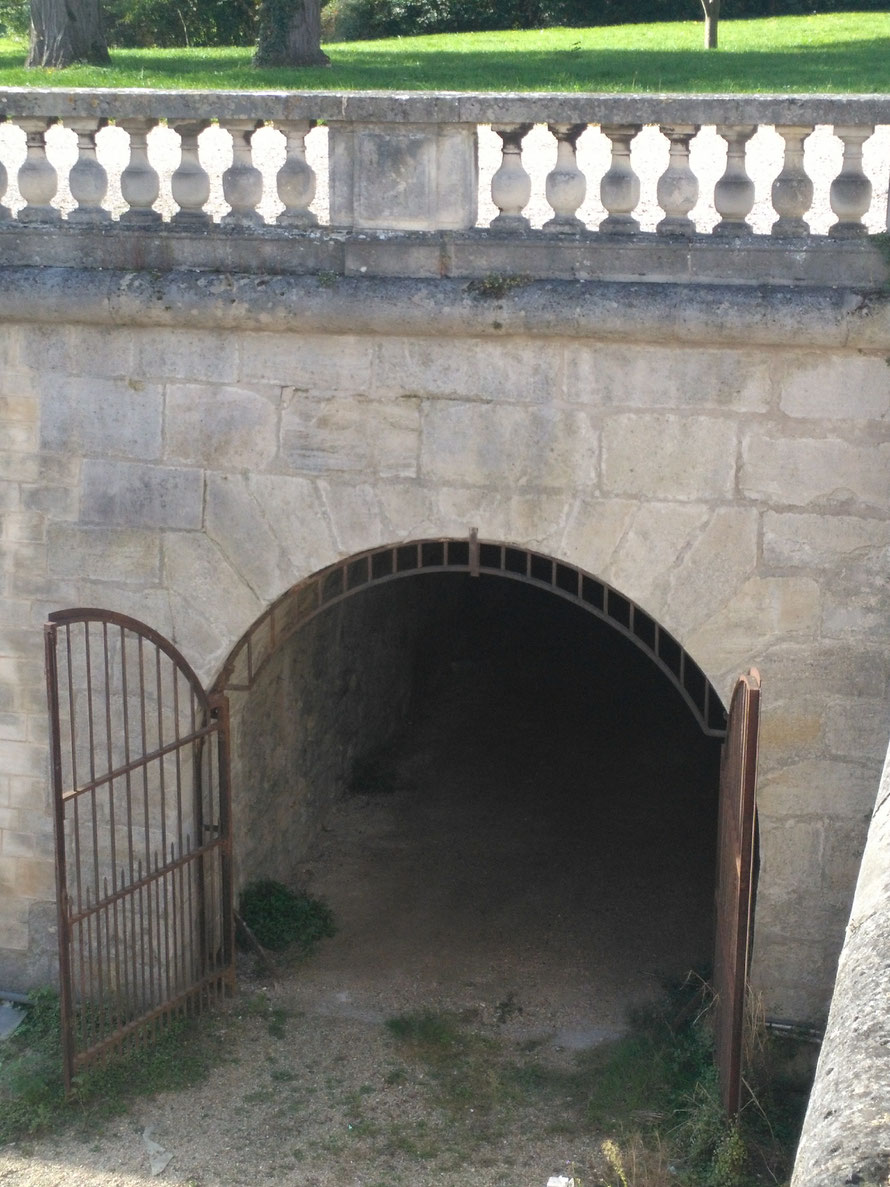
(590, 256)
(447, 106)
(325, 303)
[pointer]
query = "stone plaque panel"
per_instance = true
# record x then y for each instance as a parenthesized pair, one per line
(409, 177)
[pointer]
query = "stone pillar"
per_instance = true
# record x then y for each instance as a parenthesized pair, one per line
(38, 180)
(88, 179)
(792, 191)
(242, 182)
(566, 186)
(190, 183)
(620, 186)
(140, 184)
(511, 186)
(678, 185)
(296, 177)
(4, 181)
(734, 192)
(850, 193)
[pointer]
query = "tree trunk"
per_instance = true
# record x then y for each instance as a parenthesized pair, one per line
(290, 34)
(712, 16)
(67, 31)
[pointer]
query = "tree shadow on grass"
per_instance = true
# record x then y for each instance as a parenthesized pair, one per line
(406, 67)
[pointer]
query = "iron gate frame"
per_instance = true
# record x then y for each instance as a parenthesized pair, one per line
(734, 893)
(93, 1025)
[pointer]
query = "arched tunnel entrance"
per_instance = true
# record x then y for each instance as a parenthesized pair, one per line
(508, 797)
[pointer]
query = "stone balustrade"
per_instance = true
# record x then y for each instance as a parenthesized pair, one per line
(409, 163)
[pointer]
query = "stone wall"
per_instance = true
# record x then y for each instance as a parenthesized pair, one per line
(846, 1133)
(184, 447)
(332, 696)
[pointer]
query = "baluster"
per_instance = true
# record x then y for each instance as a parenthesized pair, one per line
(296, 178)
(511, 186)
(4, 181)
(850, 193)
(38, 180)
(190, 183)
(792, 191)
(566, 185)
(88, 180)
(620, 186)
(140, 184)
(242, 182)
(677, 189)
(734, 192)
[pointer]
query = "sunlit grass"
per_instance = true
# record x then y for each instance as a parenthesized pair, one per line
(829, 52)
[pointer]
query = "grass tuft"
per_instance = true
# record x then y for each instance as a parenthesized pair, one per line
(279, 917)
(32, 1095)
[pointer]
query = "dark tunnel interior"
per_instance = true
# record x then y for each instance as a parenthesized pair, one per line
(538, 826)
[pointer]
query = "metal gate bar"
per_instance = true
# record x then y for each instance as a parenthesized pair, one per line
(735, 883)
(142, 833)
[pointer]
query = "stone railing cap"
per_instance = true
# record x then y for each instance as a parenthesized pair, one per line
(447, 106)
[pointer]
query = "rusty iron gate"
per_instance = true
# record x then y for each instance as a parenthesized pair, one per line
(142, 833)
(735, 883)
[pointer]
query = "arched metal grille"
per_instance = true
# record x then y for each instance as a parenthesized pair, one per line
(380, 565)
(142, 830)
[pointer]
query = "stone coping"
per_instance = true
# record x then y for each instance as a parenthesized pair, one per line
(447, 106)
(475, 254)
(604, 311)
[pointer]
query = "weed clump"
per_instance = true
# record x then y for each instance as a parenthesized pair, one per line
(279, 917)
(656, 1090)
(32, 1093)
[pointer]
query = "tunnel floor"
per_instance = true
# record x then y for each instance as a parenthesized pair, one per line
(536, 851)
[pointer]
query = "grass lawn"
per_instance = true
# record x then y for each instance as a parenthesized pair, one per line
(831, 52)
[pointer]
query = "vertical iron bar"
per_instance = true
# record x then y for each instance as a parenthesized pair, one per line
(108, 1001)
(220, 705)
(71, 722)
(178, 736)
(196, 969)
(146, 822)
(165, 919)
(62, 901)
(112, 828)
(86, 994)
(198, 819)
(162, 972)
(138, 992)
(97, 978)
(76, 799)
(123, 961)
(174, 924)
(161, 771)
(145, 998)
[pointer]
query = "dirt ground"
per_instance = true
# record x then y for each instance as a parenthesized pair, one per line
(532, 858)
